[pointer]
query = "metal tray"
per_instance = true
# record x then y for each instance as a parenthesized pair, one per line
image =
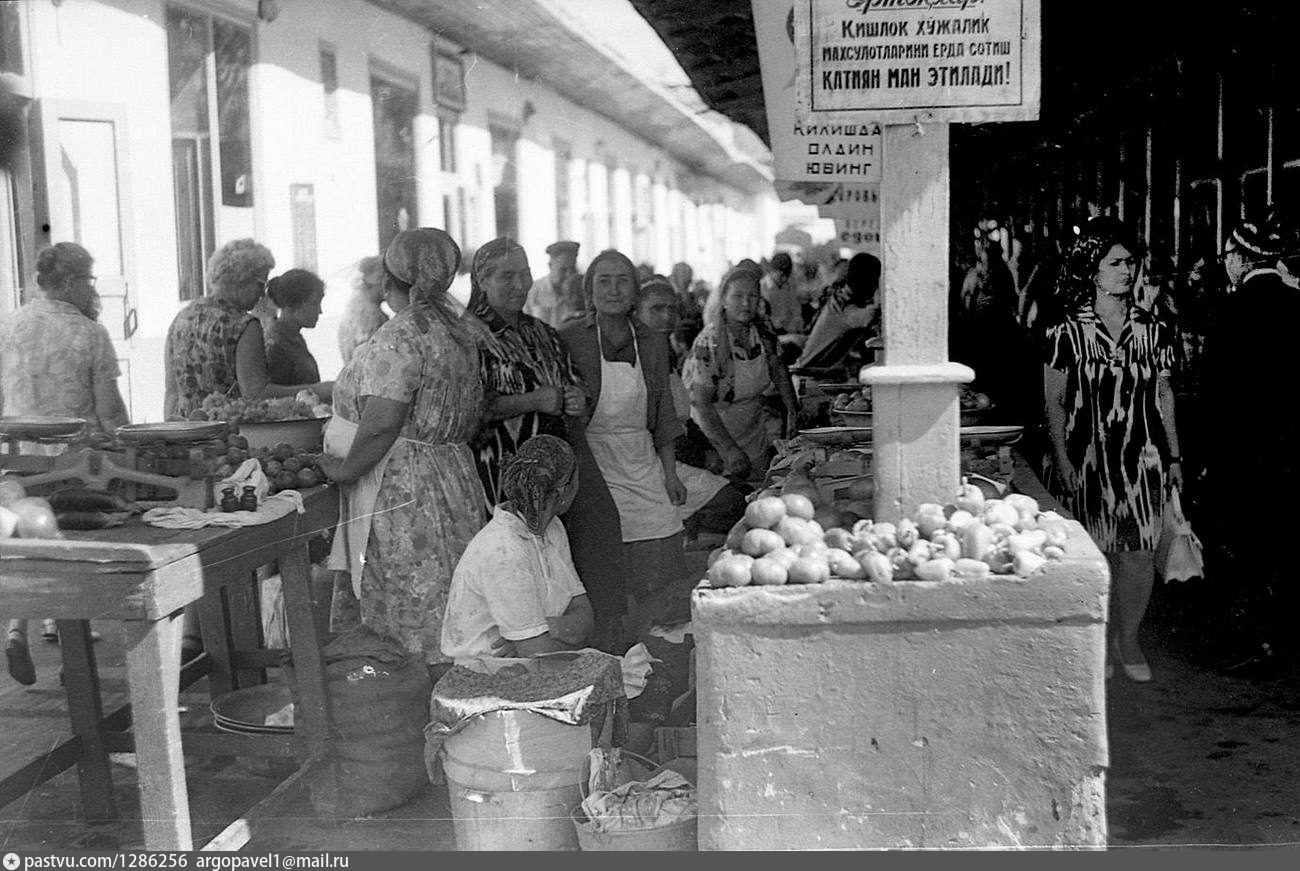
(41, 427)
(836, 435)
(991, 435)
(172, 431)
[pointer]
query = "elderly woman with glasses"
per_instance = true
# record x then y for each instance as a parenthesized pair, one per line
(515, 590)
(56, 361)
(216, 345)
(405, 410)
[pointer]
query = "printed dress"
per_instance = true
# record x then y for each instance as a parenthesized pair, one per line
(201, 346)
(512, 362)
(1113, 427)
(430, 503)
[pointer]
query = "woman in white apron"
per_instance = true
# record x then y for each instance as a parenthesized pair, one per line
(734, 364)
(631, 427)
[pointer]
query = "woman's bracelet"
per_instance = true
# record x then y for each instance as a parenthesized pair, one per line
(1173, 460)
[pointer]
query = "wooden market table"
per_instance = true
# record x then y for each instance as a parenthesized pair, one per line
(144, 576)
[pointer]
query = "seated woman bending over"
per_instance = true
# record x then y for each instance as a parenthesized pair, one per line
(515, 591)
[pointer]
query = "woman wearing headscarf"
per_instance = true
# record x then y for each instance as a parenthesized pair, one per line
(1110, 413)
(405, 410)
(516, 582)
(216, 345)
(632, 426)
(735, 363)
(533, 390)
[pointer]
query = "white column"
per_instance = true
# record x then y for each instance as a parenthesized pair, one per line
(916, 418)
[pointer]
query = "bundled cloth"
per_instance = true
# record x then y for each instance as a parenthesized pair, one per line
(272, 508)
(575, 688)
(616, 804)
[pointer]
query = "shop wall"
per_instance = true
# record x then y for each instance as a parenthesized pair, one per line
(113, 53)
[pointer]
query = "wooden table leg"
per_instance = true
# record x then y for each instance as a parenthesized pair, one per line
(305, 641)
(86, 710)
(214, 624)
(153, 652)
(244, 612)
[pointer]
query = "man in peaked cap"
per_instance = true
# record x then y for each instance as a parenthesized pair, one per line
(1251, 446)
(556, 297)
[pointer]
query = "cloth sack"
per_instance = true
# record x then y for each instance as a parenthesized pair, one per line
(1178, 555)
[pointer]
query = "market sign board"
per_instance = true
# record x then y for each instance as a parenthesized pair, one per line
(804, 150)
(900, 61)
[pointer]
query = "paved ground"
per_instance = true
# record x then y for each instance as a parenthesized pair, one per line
(1196, 759)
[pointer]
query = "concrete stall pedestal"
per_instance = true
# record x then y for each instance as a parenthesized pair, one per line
(943, 715)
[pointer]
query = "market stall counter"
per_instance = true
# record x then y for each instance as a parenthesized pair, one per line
(144, 576)
(850, 714)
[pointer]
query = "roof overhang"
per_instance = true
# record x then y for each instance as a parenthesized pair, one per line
(535, 41)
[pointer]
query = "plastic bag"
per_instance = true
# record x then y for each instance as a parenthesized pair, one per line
(1179, 555)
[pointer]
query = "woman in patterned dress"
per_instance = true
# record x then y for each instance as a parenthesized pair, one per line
(734, 365)
(214, 344)
(534, 390)
(1110, 411)
(407, 406)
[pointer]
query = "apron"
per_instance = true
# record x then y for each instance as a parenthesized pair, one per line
(356, 503)
(743, 416)
(625, 453)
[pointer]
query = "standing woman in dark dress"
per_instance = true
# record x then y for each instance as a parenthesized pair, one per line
(298, 294)
(534, 389)
(1110, 413)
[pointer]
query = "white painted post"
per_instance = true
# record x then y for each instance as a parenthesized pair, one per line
(916, 418)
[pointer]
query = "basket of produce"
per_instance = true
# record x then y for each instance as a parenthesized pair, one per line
(295, 420)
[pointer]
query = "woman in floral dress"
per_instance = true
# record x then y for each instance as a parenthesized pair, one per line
(407, 406)
(1110, 412)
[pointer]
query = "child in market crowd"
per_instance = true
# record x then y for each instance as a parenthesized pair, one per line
(515, 591)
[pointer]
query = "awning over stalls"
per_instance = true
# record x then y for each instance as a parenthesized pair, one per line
(536, 41)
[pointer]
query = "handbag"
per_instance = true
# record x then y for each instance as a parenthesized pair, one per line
(1179, 554)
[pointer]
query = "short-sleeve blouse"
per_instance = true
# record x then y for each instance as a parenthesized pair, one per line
(1114, 432)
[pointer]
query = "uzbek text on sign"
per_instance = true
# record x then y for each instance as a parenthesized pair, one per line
(896, 60)
(805, 151)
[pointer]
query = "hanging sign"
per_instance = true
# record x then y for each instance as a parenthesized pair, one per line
(860, 234)
(899, 61)
(804, 150)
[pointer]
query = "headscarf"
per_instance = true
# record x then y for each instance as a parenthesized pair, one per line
(715, 312)
(533, 474)
(655, 283)
(424, 262)
(590, 277)
(483, 258)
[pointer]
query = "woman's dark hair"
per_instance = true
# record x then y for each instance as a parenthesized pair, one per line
(863, 278)
(293, 288)
(589, 279)
(1076, 288)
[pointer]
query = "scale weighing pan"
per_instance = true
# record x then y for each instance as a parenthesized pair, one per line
(41, 427)
(172, 431)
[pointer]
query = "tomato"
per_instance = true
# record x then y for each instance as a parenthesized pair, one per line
(8, 523)
(35, 518)
(307, 478)
(765, 513)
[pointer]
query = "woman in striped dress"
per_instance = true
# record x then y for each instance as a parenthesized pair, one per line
(1110, 411)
